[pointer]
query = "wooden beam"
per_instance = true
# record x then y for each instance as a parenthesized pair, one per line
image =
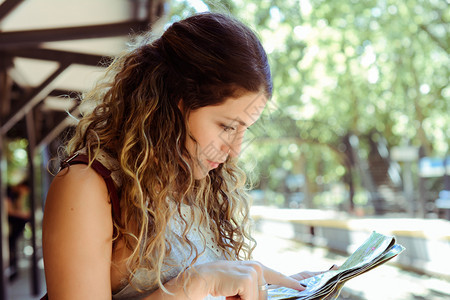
(64, 93)
(27, 38)
(36, 96)
(8, 6)
(60, 56)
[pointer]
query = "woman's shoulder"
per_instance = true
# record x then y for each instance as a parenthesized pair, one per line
(78, 186)
(78, 175)
(88, 182)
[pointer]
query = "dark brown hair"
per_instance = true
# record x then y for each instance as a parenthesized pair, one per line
(202, 60)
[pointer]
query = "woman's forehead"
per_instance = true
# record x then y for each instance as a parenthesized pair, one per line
(244, 109)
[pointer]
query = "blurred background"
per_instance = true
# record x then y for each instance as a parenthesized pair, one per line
(355, 139)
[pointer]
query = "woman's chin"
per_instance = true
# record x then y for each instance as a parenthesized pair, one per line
(200, 174)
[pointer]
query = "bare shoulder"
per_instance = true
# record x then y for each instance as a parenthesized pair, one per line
(77, 235)
(78, 189)
(78, 197)
(77, 181)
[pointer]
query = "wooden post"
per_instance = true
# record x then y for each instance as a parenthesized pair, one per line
(3, 227)
(5, 100)
(35, 288)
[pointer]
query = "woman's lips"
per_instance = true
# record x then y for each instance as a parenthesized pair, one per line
(213, 164)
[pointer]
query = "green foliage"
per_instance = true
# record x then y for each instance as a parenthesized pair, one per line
(17, 160)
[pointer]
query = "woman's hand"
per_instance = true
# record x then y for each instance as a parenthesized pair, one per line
(307, 274)
(240, 279)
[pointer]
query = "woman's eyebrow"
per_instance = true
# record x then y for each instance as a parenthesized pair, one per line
(237, 120)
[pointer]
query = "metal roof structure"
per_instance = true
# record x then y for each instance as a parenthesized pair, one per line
(51, 51)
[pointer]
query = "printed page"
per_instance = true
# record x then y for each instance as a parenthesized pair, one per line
(372, 248)
(377, 249)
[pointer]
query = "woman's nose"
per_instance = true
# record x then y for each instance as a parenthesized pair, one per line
(233, 147)
(226, 149)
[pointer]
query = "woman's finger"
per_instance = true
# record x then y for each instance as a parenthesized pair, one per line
(258, 285)
(245, 280)
(261, 284)
(274, 277)
(306, 274)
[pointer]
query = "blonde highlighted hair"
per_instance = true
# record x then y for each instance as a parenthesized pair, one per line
(202, 60)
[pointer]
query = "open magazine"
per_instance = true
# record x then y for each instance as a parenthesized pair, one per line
(376, 250)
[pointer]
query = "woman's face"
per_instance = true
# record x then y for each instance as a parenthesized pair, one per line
(217, 131)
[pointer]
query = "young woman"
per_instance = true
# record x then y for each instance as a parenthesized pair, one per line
(160, 212)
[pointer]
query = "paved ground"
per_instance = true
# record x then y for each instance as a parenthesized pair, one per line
(20, 289)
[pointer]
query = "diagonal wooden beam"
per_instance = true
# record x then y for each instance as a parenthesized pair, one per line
(32, 100)
(64, 93)
(58, 55)
(8, 6)
(18, 39)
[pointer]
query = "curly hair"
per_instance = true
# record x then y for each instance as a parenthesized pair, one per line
(136, 119)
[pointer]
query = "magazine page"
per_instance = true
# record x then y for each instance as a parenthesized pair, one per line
(394, 251)
(372, 248)
(377, 249)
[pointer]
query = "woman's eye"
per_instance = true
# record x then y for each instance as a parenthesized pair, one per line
(228, 128)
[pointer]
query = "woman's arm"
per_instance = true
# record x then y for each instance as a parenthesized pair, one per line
(77, 236)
